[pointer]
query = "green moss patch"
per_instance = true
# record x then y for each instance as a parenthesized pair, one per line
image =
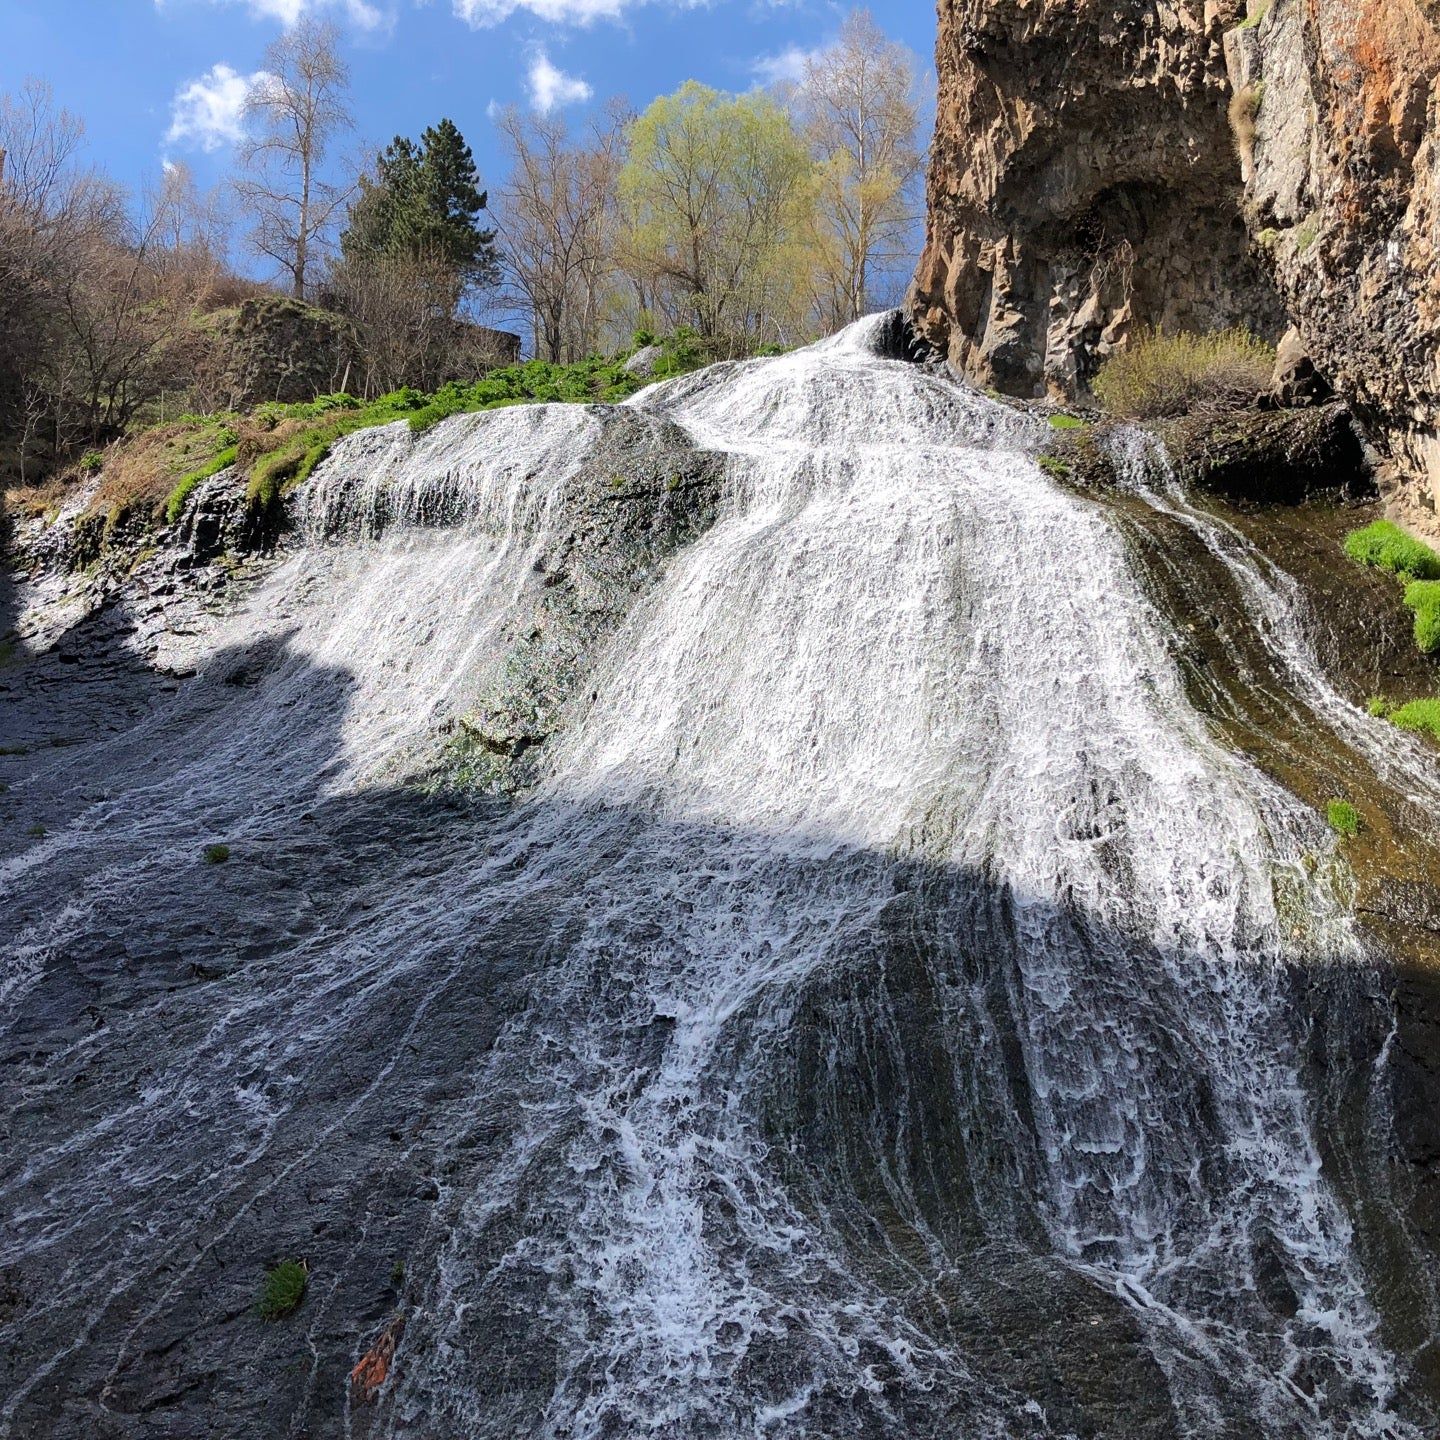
(1419, 716)
(175, 504)
(216, 854)
(1423, 597)
(1344, 818)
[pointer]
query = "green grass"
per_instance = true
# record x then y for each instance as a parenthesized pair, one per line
(1419, 716)
(1385, 546)
(175, 504)
(1423, 597)
(1252, 22)
(216, 854)
(1056, 468)
(593, 381)
(276, 472)
(1068, 422)
(283, 1289)
(1344, 818)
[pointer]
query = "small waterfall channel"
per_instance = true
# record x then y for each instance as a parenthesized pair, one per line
(882, 1011)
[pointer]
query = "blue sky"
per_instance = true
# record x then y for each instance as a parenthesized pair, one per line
(164, 80)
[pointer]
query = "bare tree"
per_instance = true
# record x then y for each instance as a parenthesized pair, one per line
(300, 106)
(859, 103)
(556, 217)
(96, 317)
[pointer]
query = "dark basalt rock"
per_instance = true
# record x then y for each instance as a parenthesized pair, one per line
(1272, 457)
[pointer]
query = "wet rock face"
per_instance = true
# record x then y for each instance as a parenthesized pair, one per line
(1083, 184)
(1343, 199)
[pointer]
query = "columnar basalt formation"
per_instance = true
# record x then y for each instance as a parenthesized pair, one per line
(1342, 174)
(1101, 165)
(1083, 183)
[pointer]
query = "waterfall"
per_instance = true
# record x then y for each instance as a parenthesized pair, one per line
(878, 1018)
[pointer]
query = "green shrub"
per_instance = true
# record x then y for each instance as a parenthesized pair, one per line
(92, 462)
(1420, 716)
(591, 381)
(1379, 707)
(283, 1289)
(1386, 546)
(1161, 377)
(216, 854)
(1344, 818)
(1423, 597)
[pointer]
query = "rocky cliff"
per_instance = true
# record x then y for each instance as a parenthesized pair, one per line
(1340, 154)
(1101, 165)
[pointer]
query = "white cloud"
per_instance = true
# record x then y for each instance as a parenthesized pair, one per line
(550, 86)
(566, 12)
(208, 112)
(360, 13)
(789, 65)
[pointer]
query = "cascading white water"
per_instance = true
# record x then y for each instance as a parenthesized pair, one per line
(885, 807)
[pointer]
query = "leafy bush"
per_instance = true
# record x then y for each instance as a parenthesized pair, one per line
(1161, 377)
(1344, 818)
(1423, 597)
(1387, 547)
(92, 462)
(283, 1289)
(216, 854)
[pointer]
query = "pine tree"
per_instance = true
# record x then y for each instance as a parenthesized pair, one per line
(425, 201)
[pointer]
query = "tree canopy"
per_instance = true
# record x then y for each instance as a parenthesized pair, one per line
(424, 200)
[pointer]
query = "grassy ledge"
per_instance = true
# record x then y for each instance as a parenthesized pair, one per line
(1385, 546)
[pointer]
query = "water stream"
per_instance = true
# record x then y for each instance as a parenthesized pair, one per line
(880, 1020)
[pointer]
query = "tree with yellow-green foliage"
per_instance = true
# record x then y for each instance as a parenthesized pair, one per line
(717, 194)
(858, 103)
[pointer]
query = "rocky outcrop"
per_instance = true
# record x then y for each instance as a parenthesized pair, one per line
(1083, 184)
(1342, 195)
(273, 348)
(1194, 164)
